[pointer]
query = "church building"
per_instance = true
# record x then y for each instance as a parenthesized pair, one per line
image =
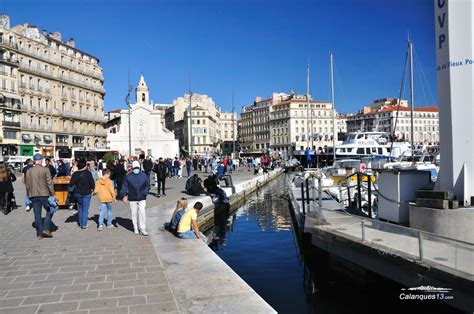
(149, 136)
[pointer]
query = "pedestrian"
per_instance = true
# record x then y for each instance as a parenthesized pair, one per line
(28, 166)
(195, 163)
(180, 168)
(147, 166)
(135, 190)
(175, 167)
(82, 183)
(119, 174)
(6, 188)
(106, 192)
(160, 171)
(62, 169)
(188, 227)
(39, 187)
(50, 167)
(188, 166)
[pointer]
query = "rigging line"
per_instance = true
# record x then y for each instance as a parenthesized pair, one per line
(339, 79)
(424, 77)
(399, 101)
(418, 69)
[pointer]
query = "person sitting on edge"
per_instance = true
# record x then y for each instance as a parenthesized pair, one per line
(221, 174)
(188, 227)
(181, 206)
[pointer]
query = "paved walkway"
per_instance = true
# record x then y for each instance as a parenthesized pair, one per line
(113, 271)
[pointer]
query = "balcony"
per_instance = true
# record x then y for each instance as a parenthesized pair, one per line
(23, 85)
(8, 44)
(10, 61)
(77, 144)
(14, 124)
(64, 96)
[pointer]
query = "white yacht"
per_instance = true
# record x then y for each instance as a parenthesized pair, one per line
(363, 144)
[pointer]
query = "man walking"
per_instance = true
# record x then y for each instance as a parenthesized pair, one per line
(147, 166)
(175, 167)
(39, 187)
(135, 190)
(188, 166)
(160, 170)
(29, 165)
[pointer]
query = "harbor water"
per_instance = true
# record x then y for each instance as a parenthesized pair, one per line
(257, 240)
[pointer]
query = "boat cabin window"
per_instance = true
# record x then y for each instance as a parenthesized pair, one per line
(360, 151)
(380, 150)
(360, 136)
(367, 150)
(374, 150)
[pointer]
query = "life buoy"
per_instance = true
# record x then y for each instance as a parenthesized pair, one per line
(362, 167)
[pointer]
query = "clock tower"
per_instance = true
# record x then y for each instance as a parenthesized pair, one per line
(142, 93)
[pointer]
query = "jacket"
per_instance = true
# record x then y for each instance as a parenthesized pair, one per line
(39, 182)
(160, 170)
(105, 190)
(147, 165)
(83, 182)
(7, 186)
(220, 171)
(135, 187)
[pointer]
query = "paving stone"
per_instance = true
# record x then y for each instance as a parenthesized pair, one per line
(160, 297)
(98, 303)
(104, 272)
(101, 285)
(43, 271)
(79, 274)
(115, 292)
(153, 308)
(73, 288)
(15, 273)
(19, 310)
(30, 278)
(52, 283)
(28, 292)
(121, 277)
(77, 268)
(58, 307)
(12, 302)
(89, 279)
(132, 300)
(129, 283)
(113, 266)
(40, 299)
(15, 286)
(150, 269)
(84, 295)
(110, 310)
(152, 289)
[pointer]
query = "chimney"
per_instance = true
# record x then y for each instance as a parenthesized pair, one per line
(258, 98)
(71, 42)
(57, 35)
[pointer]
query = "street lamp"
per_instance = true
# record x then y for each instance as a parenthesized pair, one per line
(127, 101)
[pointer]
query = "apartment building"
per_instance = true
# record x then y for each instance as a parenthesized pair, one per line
(52, 93)
(228, 127)
(205, 127)
(384, 118)
(285, 123)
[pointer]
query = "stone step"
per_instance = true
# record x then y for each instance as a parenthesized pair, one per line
(439, 195)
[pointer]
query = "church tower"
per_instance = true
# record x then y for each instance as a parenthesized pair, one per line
(142, 93)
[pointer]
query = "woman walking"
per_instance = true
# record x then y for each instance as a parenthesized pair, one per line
(83, 184)
(6, 188)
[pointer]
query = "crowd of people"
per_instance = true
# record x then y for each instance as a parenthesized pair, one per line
(125, 180)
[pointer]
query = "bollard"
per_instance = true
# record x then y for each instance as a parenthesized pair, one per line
(369, 194)
(307, 192)
(362, 226)
(359, 192)
(320, 192)
(420, 245)
(313, 193)
(348, 194)
(302, 198)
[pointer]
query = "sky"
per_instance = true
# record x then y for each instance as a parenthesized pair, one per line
(247, 48)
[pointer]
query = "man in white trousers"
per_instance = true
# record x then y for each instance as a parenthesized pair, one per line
(134, 191)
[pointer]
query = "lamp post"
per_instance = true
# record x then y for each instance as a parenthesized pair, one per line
(127, 101)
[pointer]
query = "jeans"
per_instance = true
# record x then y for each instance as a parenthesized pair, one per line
(188, 169)
(227, 179)
(38, 203)
(103, 207)
(175, 171)
(138, 207)
(83, 203)
(161, 185)
(27, 201)
(191, 235)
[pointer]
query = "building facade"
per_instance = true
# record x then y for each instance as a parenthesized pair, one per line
(148, 134)
(52, 94)
(285, 123)
(204, 127)
(384, 118)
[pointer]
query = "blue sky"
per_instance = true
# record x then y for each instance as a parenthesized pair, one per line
(251, 47)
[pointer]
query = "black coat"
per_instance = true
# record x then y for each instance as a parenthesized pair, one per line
(160, 170)
(7, 186)
(147, 165)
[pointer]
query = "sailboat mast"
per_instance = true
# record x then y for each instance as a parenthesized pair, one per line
(410, 48)
(307, 104)
(333, 109)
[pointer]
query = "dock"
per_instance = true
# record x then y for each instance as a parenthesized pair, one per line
(408, 256)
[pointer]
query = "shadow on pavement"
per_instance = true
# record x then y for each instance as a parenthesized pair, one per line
(124, 222)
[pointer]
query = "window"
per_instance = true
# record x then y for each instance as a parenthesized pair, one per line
(10, 134)
(360, 151)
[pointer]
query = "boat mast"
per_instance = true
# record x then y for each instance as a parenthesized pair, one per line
(333, 110)
(307, 104)
(410, 48)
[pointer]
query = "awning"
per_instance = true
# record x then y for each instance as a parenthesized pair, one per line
(10, 95)
(26, 137)
(47, 138)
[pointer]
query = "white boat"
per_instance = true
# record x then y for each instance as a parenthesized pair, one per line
(366, 144)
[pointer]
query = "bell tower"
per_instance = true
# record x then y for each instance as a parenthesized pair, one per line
(142, 93)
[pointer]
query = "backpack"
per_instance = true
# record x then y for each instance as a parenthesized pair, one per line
(175, 221)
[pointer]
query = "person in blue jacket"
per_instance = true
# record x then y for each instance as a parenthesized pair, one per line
(135, 189)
